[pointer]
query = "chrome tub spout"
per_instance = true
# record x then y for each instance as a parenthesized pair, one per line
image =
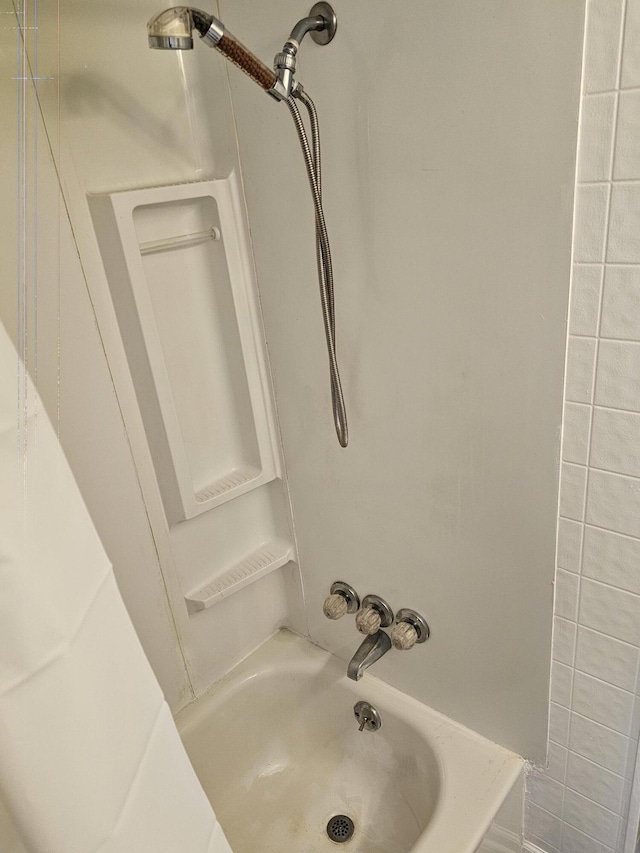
(371, 649)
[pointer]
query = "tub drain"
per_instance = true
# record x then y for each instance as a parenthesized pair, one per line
(340, 828)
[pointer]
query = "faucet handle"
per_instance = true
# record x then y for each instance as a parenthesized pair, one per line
(375, 614)
(335, 606)
(410, 628)
(403, 636)
(343, 599)
(368, 621)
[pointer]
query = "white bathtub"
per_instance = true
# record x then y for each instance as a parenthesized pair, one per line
(277, 749)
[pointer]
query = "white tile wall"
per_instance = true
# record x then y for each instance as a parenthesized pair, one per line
(579, 804)
(577, 423)
(620, 315)
(630, 54)
(627, 163)
(585, 299)
(581, 360)
(623, 246)
(591, 215)
(601, 47)
(596, 137)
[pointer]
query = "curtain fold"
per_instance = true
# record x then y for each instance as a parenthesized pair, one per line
(90, 758)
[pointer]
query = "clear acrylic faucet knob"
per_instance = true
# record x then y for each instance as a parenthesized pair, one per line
(335, 606)
(368, 621)
(403, 636)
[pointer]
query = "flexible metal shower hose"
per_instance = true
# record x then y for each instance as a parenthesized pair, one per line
(323, 253)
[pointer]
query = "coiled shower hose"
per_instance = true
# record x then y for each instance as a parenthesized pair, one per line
(323, 252)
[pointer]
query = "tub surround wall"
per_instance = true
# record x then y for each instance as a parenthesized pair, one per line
(119, 116)
(580, 804)
(449, 151)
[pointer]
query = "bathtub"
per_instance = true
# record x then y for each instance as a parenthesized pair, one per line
(277, 749)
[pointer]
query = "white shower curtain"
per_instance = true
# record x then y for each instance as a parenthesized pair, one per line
(90, 759)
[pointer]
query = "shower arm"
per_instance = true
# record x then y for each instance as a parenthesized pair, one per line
(322, 27)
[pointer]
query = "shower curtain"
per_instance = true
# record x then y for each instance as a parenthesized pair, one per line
(90, 759)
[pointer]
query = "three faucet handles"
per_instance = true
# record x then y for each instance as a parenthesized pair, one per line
(409, 628)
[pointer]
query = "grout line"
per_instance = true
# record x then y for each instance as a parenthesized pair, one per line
(601, 182)
(530, 845)
(597, 723)
(583, 338)
(595, 764)
(615, 812)
(608, 637)
(586, 94)
(606, 683)
(609, 470)
(633, 341)
(602, 847)
(613, 409)
(610, 407)
(614, 587)
(593, 802)
(621, 37)
(603, 338)
(597, 527)
(612, 532)
(606, 263)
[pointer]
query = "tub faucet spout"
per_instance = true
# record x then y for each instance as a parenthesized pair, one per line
(371, 649)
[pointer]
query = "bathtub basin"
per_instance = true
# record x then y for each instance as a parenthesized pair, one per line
(277, 750)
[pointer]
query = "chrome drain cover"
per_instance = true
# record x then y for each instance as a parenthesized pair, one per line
(340, 828)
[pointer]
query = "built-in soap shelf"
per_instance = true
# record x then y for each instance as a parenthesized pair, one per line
(180, 271)
(267, 558)
(228, 484)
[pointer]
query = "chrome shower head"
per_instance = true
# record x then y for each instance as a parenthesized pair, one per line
(172, 29)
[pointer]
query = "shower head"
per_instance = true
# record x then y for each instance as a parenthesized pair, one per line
(172, 30)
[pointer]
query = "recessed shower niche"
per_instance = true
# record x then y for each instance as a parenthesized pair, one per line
(179, 269)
